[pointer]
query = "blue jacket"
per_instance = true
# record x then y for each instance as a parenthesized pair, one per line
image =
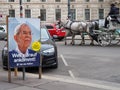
(113, 10)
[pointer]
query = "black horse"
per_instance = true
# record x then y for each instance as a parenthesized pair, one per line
(93, 25)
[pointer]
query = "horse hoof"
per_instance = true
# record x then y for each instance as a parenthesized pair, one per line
(72, 43)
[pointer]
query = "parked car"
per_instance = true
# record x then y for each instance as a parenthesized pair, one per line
(48, 51)
(55, 32)
(3, 32)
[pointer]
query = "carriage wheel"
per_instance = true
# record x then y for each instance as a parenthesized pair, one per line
(104, 39)
(115, 38)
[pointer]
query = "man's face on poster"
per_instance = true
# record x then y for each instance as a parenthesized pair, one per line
(24, 37)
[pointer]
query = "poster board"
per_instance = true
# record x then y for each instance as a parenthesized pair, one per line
(23, 36)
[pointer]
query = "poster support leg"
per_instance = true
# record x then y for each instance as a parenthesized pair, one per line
(23, 73)
(9, 75)
(40, 68)
(15, 71)
(9, 70)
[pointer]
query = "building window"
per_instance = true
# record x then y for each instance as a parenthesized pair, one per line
(73, 14)
(43, 14)
(58, 14)
(28, 13)
(43, 0)
(72, 0)
(12, 13)
(101, 13)
(100, 0)
(57, 0)
(87, 14)
(10, 0)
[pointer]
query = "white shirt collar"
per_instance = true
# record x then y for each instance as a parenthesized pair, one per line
(19, 52)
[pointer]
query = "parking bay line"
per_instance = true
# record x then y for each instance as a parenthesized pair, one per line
(64, 61)
(66, 64)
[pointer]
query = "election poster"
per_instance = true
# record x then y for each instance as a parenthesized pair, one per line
(23, 42)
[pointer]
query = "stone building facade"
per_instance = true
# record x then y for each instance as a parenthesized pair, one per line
(51, 10)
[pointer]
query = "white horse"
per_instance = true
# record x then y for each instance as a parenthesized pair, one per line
(76, 27)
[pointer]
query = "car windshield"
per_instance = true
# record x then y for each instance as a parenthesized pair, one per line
(49, 27)
(44, 34)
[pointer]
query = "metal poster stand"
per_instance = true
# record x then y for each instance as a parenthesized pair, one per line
(15, 69)
(21, 16)
(40, 67)
(9, 70)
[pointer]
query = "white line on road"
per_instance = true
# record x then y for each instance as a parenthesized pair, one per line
(64, 61)
(66, 64)
(71, 74)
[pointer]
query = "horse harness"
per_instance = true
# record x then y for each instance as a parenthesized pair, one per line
(71, 25)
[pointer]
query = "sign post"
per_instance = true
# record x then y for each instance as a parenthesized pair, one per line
(21, 16)
(9, 70)
(40, 68)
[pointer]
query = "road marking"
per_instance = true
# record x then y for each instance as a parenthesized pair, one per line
(80, 81)
(84, 83)
(64, 61)
(71, 74)
(66, 64)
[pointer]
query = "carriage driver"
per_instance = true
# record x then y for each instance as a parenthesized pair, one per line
(113, 13)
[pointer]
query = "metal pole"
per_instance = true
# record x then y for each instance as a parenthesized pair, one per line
(69, 12)
(21, 16)
(21, 9)
(9, 69)
(40, 67)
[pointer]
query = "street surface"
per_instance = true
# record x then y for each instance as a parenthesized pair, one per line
(93, 66)
(91, 62)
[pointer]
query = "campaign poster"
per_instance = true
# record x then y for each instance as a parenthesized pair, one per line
(23, 42)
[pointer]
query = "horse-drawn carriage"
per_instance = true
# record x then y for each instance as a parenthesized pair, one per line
(103, 36)
(110, 35)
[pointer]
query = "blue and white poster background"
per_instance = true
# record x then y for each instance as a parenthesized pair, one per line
(34, 24)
